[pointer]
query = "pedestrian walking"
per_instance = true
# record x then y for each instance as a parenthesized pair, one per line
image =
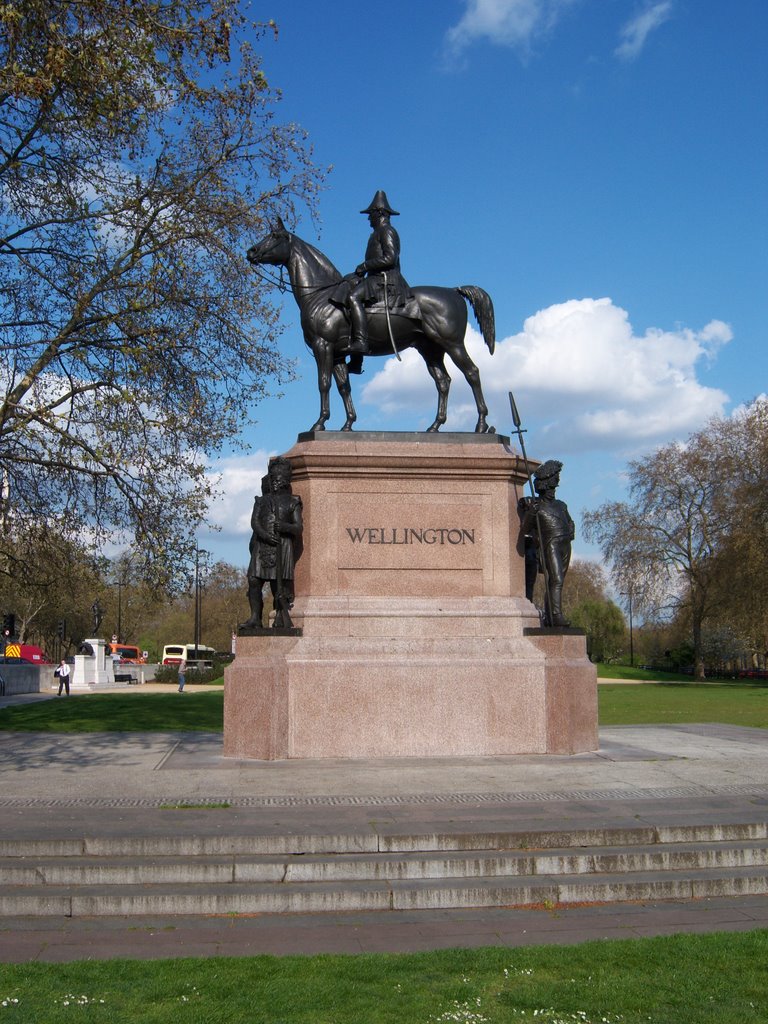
(182, 674)
(63, 675)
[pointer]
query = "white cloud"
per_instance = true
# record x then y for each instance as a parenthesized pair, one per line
(237, 480)
(505, 22)
(636, 31)
(580, 376)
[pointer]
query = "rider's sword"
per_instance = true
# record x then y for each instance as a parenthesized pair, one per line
(389, 325)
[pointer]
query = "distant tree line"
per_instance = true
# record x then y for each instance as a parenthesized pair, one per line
(60, 586)
(690, 545)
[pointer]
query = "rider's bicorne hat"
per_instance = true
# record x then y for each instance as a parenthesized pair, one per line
(380, 202)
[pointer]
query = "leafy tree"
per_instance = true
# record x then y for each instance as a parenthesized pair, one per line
(223, 606)
(604, 625)
(670, 527)
(44, 580)
(224, 603)
(694, 535)
(739, 447)
(585, 581)
(139, 156)
(588, 606)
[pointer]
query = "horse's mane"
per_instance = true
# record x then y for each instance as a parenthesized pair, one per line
(321, 269)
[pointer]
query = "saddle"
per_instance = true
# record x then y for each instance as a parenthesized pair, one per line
(340, 297)
(410, 310)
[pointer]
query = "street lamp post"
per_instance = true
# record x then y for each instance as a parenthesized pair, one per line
(120, 583)
(628, 595)
(197, 602)
(198, 599)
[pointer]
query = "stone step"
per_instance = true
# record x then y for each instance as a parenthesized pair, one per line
(292, 868)
(401, 894)
(180, 845)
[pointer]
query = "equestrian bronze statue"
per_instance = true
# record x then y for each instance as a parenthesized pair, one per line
(432, 320)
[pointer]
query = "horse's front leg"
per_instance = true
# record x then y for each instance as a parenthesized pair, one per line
(323, 354)
(341, 376)
(441, 377)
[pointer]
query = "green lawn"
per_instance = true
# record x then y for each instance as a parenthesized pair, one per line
(119, 712)
(633, 672)
(668, 703)
(695, 979)
(665, 703)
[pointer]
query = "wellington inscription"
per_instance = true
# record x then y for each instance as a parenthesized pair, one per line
(410, 535)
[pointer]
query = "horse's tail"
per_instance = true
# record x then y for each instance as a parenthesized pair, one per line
(482, 307)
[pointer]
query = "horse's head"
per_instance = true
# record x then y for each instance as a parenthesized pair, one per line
(274, 248)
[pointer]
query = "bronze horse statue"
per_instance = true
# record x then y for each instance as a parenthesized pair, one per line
(438, 332)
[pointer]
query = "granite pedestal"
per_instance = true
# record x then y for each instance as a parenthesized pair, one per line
(416, 637)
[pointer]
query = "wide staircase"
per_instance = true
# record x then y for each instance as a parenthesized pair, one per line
(262, 874)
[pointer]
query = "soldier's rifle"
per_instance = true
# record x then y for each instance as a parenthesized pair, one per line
(534, 498)
(282, 613)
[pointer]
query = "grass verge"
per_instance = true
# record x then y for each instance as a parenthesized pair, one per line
(671, 703)
(642, 674)
(119, 712)
(663, 704)
(697, 979)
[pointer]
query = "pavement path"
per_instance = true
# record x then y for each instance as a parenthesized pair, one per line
(153, 783)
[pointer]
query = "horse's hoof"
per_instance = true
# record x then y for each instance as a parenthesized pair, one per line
(433, 429)
(318, 426)
(347, 427)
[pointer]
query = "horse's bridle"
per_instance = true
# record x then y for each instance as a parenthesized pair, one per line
(280, 282)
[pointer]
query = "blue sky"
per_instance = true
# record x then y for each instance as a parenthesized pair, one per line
(598, 166)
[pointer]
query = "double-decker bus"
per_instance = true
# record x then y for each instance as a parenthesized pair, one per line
(200, 657)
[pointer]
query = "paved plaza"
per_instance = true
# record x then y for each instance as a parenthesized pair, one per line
(152, 784)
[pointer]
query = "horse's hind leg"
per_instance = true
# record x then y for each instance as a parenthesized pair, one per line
(341, 376)
(461, 358)
(444, 324)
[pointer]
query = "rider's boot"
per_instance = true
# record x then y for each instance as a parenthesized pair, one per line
(359, 342)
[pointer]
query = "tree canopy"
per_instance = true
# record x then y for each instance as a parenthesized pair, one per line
(693, 536)
(140, 154)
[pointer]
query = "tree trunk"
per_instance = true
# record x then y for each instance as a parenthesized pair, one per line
(698, 653)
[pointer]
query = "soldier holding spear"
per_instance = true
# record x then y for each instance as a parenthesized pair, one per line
(547, 521)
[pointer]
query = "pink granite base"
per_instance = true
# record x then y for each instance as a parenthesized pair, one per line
(571, 700)
(421, 681)
(410, 599)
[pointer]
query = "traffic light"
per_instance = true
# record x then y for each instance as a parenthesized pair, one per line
(61, 629)
(9, 624)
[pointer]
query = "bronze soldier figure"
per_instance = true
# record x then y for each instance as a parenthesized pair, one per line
(277, 526)
(556, 529)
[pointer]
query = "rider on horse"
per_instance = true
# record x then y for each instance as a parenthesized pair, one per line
(376, 280)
